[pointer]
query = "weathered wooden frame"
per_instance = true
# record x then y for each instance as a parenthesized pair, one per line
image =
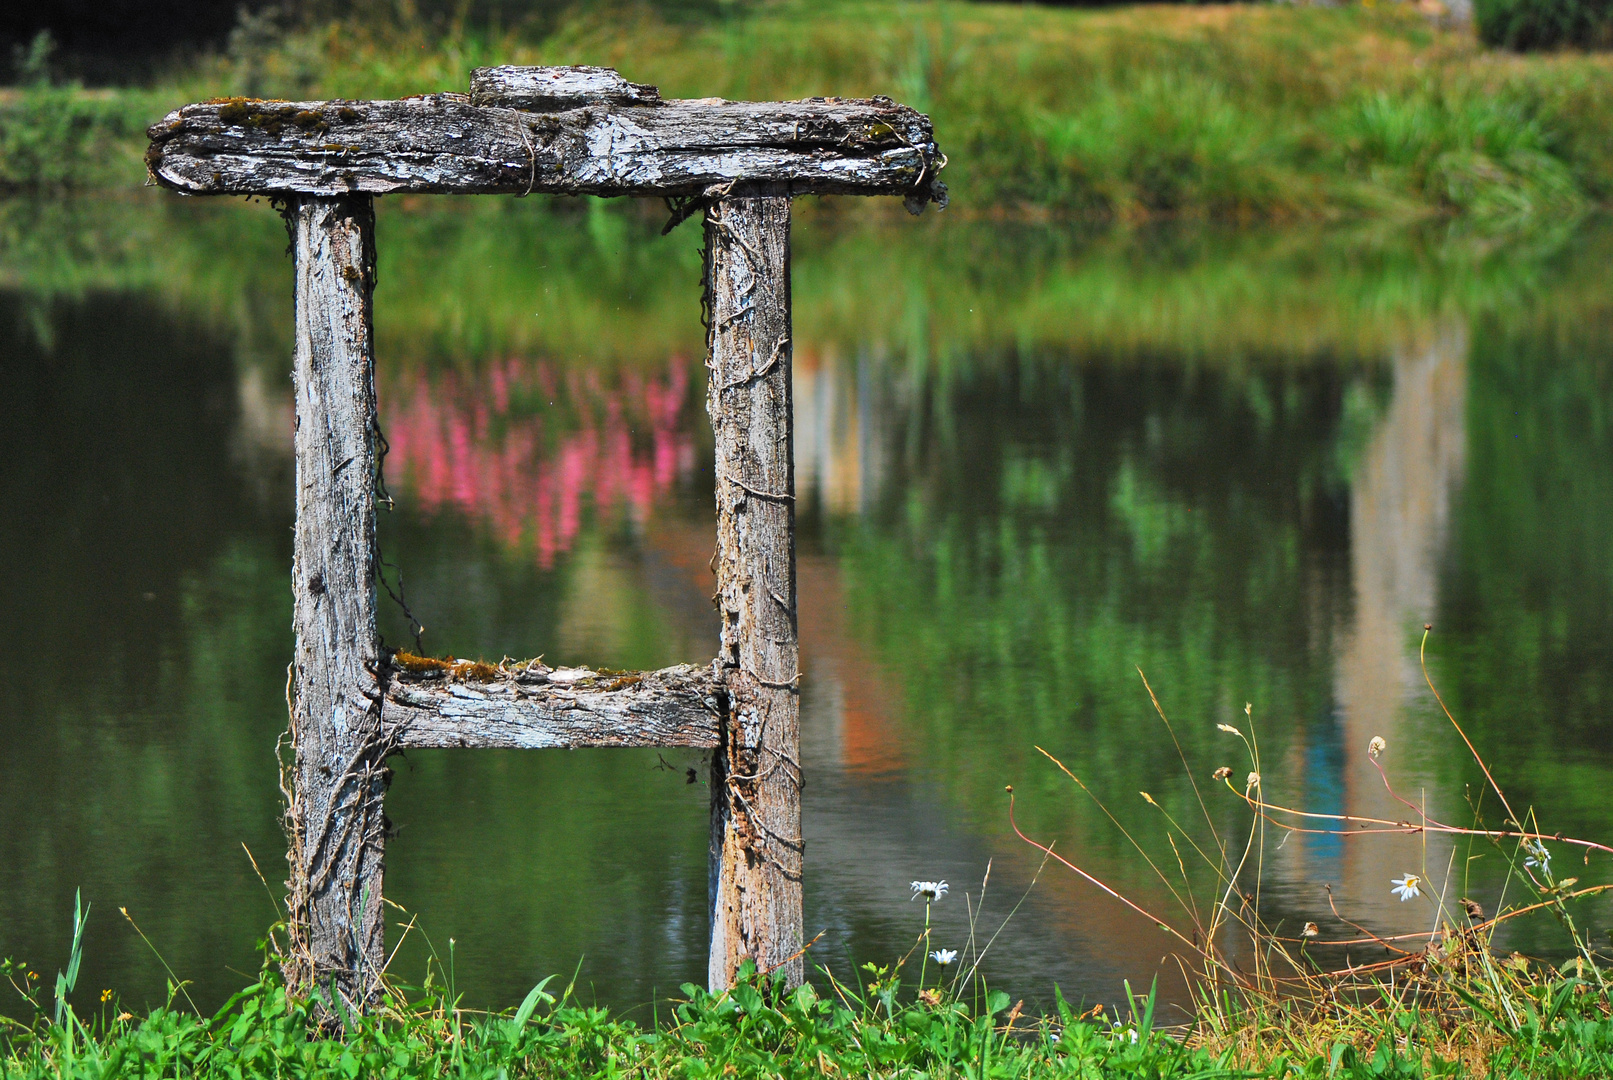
(569, 130)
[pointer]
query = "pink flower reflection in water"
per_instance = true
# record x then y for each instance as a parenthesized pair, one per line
(519, 444)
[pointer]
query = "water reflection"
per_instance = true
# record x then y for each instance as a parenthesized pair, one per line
(521, 446)
(994, 539)
(1401, 495)
(145, 615)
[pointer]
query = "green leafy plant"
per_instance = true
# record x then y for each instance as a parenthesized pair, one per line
(67, 980)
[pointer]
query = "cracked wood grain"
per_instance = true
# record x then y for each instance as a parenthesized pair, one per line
(756, 843)
(449, 144)
(335, 824)
(569, 708)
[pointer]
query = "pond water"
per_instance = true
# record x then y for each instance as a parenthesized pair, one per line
(1032, 464)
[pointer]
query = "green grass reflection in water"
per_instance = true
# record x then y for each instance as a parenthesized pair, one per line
(1029, 461)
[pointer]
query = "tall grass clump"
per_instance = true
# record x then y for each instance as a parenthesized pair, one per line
(1331, 996)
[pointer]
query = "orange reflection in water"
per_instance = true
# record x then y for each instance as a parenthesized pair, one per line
(520, 444)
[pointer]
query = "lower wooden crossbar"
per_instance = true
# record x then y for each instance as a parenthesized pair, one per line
(433, 704)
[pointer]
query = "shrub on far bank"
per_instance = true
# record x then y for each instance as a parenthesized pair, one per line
(1545, 24)
(60, 137)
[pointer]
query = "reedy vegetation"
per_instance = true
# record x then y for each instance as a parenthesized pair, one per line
(1218, 112)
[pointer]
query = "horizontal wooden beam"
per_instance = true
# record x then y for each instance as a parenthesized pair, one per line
(453, 144)
(429, 704)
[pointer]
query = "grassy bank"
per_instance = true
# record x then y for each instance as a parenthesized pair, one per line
(761, 1031)
(1220, 112)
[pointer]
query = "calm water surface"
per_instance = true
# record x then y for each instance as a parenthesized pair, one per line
(1156, 454)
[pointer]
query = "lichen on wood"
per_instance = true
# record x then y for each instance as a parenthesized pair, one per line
(408, 664)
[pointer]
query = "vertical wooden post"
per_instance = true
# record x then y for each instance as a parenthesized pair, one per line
(756, 844)
(335, 825)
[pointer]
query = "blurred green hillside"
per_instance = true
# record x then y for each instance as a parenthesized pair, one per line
(1222, 112)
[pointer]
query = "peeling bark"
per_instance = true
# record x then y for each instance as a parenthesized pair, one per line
(334, 819)
(756, 844)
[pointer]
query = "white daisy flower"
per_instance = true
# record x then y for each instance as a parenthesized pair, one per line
(930, 890)
(944, 956)
(1406, 887)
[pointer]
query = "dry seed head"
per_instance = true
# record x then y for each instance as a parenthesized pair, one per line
(1376, 746)
(1253, 780)
(1228, 728)
(1310, 931)
(1222, 773)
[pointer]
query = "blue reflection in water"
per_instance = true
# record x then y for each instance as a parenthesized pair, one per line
(1324, 789)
